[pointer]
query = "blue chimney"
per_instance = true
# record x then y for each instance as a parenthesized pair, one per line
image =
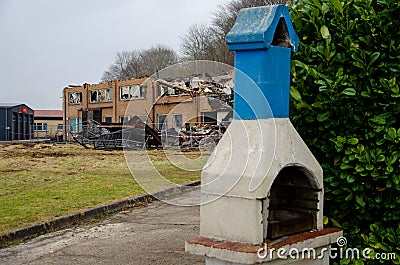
(263, 39)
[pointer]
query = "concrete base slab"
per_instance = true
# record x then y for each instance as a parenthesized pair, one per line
(303, 249)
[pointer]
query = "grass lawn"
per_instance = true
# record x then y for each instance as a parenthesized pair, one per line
(45, 181)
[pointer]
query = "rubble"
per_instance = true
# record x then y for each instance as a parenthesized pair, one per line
(136, 134)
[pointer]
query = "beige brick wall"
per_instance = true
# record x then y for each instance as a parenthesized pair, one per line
(51, 128)
(189, 107)
(115, 108)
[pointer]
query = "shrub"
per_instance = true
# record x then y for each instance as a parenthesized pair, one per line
(346, 105)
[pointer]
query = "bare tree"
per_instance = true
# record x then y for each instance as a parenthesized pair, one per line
(140, 63)
(198, 43)
(157, 58)
(126, 65)
(202, 42)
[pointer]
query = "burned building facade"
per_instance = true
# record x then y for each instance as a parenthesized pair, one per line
(159, 103)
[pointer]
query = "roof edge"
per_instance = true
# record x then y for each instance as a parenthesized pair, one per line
(255, 28)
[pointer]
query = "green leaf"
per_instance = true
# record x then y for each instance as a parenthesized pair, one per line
(326, 220)
(380, 141)
(335, 223)
(300, 64)
(380, 158)
(383, 246)
(317, 105)
(321, 50)
(389, 169)
(374, 57)
(360, 201)
(378, 120)
(369, 167)
(303, 105)
(354, 46)
(357, 57)
(349, 91)
(359, 65)
(344, 167)
(317, 4)
(392, 133)
(337, 192)
(351, 178)
(359, 168)
(360, 148)
(358, 262)
(295, 93)
(338, 5)
(325, 32)
(324, 116)
(393, 159)
(325, 8)
(348, 197)
(315, 11)
(352, 141)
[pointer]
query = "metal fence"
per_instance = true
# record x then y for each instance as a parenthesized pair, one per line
(138, 135)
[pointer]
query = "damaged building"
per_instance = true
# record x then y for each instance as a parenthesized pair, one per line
(161, 104)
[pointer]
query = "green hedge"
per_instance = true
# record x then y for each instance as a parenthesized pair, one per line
(346, 105)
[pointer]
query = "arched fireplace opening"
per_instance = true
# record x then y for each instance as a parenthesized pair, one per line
(293, 203)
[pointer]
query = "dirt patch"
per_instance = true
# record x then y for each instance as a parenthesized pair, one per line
(38, 150)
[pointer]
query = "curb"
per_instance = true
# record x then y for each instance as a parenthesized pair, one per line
(25, 233)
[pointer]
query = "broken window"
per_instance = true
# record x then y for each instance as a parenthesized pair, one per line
(162, 89)
(94, 96)
(177, 121)
(75, 98)
(135, 91)
(129, 92)
(101, 95)
(162, 122)
(105, 95)
(125, 92)
(124, 119)
(108, 119)
(60, 127)
(143, 91)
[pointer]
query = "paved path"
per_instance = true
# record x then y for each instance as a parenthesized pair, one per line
(154, 234)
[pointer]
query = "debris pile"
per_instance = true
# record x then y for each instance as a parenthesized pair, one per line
(193, 136)
(220, 87)
(136, 134)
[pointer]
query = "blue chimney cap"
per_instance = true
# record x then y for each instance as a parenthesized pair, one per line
(255, 28)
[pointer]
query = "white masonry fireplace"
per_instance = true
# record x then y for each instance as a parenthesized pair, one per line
(262, 188)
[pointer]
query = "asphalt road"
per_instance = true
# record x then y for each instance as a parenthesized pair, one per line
(154, 234)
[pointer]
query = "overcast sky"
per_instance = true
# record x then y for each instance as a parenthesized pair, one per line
(46, 45)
